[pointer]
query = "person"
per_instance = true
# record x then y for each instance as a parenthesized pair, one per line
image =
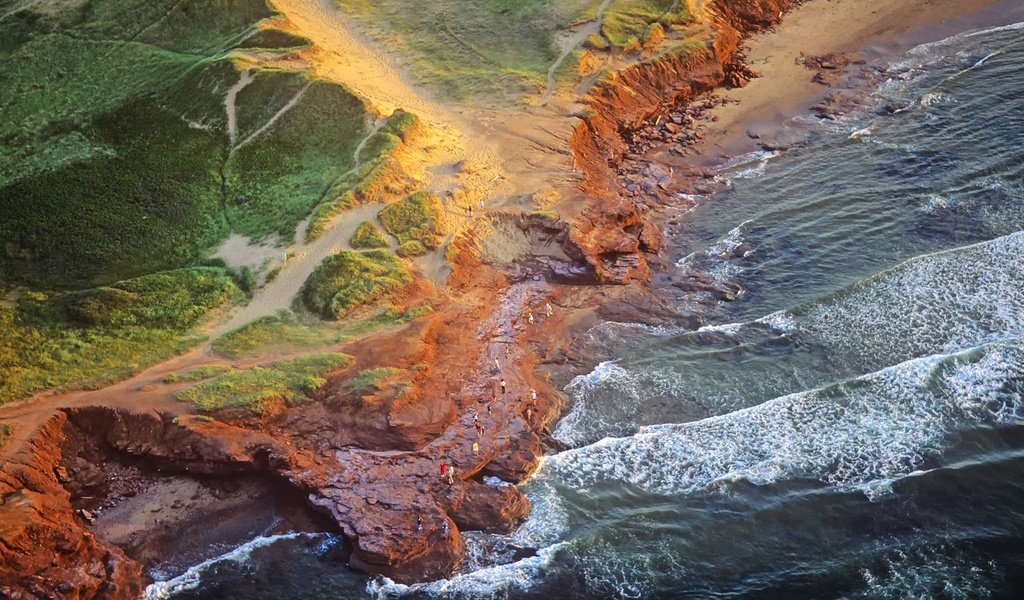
(533, 395)
(476, 418)
(529, 413)
(451, 475)
(444, 467)
(470, 212)
(476, 448)
(529, 316)
(502, 385)
(444, 528)
(488, 408)
(481, 203)
(419, 523)
(497, 367)
(547, 309)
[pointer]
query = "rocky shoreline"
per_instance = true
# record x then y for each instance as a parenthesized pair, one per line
(369, 468)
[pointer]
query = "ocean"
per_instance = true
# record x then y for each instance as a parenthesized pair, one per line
(849, 427)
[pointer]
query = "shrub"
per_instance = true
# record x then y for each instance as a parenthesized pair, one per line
(349, 280)
(411, 248)
(277, 333)
(5, 432)
(368, 235)
(256, 388)
(414, 217)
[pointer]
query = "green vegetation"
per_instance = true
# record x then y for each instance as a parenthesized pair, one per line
(411, 248)
(349, 280)
(368, 235)
(368, 381)
(114, 138)
(413, 218)
(386, 318)
(274, 181)
(100, 335)
(5, 432)
(277, 334)
(258, 389)
(373, 174)
(493, 49)
(197, 374)
(634, 23)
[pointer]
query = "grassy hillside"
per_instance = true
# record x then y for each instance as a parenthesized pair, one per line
(96, 336)
(116, 158)
(473, 49)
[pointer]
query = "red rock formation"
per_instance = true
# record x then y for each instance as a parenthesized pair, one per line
(609, 229)
(45, 551)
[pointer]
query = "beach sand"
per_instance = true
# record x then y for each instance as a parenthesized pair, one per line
(873, 28)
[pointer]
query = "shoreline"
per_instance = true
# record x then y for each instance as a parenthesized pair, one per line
(495, 303)
(784, 89)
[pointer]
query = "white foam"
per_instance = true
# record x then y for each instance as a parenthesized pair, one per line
(190, 579)
(487, 583)
(851, 435)
(930, 572)
(936, 303)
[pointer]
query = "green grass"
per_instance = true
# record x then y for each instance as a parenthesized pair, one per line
(113, 139)
(5, 432)
(278, 179)
(371, 179)
(350, 280)
(197, 374)
(387, 318)
(277, 334)
(98, 336)
(413, 218)
(368, 381)
(257, 389)
(471, 49)
(629, 23)
(368, 235)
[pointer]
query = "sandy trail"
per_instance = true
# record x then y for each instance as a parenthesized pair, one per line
(304, 258)
(229, 104)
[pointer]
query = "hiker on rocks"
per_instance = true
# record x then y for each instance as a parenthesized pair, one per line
(444, 528)
(497, 366)
(444, 468)
(547, 309)
(476, 448)
(470, 212)
(529, 317)
(533, 395)
(419, 523)
(529, 413)
(503, 386)
(451, 475)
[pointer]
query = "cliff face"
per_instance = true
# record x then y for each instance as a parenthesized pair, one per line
(45, 550)
(610, 230)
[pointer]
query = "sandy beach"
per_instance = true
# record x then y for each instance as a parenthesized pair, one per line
(784, 88)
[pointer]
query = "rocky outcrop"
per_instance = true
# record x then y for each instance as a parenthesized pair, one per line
(45, 550)
(475, 506)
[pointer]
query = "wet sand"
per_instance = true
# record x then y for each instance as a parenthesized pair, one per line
(873, 28)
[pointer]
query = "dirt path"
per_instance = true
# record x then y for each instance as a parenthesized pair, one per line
(571, 39)
(229, 104)
(304, 258)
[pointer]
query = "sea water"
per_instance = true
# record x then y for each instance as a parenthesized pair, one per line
(849, 427)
